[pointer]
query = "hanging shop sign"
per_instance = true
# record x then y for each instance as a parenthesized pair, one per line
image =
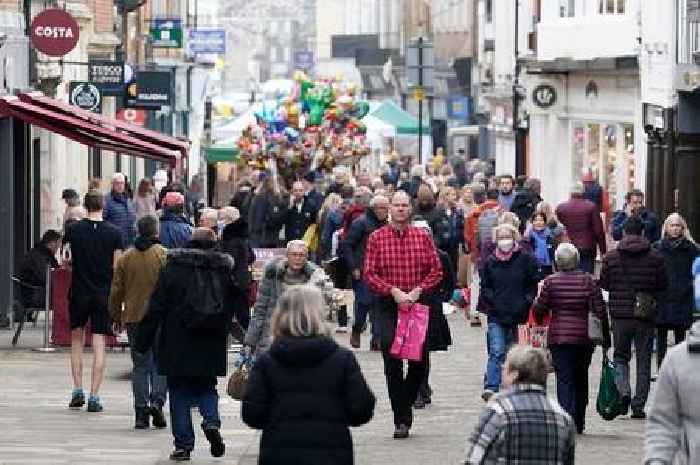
(166, 33)
(85, 95)
(132, 115)
(458, 108)
(108, 76)
(544, 95)
(206, 41)
(149, 89)
(54, 32)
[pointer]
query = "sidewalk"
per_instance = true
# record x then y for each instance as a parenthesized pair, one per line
(38, 428)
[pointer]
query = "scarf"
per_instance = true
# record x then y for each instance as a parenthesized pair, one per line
(502, 256)
(540, 241)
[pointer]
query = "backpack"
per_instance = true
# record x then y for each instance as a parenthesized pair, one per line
(487, 221)
(204, 313)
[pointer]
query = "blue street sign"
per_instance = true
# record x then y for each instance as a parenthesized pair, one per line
(304, 59)
(206, 41)
(459, 108)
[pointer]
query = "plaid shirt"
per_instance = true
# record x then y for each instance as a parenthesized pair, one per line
(522, 427)
(404, 259)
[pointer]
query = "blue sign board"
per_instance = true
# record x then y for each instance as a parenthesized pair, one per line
(206, 41)
(459, 108)
(304, 59)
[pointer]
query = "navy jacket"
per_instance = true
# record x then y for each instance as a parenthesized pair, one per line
(119, 211)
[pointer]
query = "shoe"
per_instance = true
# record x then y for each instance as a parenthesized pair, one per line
(487, 395)
(156, 412)
(638, 414)
(401, 432)
(625, 405)
(355, 341)
(94, 404)
(77, 399)
(341, 329)
(419, 403)
(180, 455)
(142, 421)
(216, 444)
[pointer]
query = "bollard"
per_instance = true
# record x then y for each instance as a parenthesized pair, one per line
(46, 347)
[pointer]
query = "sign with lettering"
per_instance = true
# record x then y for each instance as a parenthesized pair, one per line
(149, 89)
(54, 32)
(108, 76)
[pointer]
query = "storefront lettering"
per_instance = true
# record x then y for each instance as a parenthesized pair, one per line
(54, 32)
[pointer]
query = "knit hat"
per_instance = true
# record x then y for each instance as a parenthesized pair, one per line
(173, 199)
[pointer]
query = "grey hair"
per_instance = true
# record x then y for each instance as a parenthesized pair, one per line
(229, 214)
(210, 214)
(299, 313)
(363, 195)
(376, 199)
(297, 243)
(529, 363)
(512, 230)
(532, 183)
(566, 257)
(417, 171)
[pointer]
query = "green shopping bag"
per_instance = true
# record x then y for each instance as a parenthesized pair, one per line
(609, 402)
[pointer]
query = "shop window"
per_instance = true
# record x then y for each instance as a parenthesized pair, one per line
(579, 150)
(611, 7)
(609, 162)
(630, 169)
(567, 8)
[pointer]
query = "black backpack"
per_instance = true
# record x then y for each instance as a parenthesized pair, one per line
(205, 314)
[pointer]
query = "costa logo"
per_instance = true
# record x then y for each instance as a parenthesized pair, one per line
(54, 32)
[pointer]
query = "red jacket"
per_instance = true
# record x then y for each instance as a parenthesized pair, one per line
(583, 223)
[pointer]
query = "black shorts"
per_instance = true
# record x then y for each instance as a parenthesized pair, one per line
(82, 308)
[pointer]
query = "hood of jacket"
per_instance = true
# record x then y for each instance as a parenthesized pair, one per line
(199, 254)
(372, 217)
(279, 268)
(236, 230)
(302, 351)
(633, 245)
(143, 243)
(678, 244)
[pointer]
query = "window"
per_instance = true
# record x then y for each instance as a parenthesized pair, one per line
(567, 8)
(610, 7)
(489, 11)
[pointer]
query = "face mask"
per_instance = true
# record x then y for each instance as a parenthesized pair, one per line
(505, 245)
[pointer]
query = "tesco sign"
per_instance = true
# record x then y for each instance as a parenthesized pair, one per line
(54, 32)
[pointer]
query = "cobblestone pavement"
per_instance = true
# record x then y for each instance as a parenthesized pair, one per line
(36, 426)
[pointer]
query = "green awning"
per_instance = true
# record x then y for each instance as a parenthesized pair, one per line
(403, 121)
(221, 153)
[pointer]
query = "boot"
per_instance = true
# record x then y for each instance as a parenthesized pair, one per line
(156, 411)
(141, 418)
(342, 320)
(355, 339)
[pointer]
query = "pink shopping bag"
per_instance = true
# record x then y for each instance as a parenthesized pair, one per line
(411, 328)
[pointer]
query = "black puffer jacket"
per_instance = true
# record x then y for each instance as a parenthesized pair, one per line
(304, 393)
(265, 219)
(632, 267)
(508, 288)
(676, 302)
(32, 272)
(234, 242)
(180, 352)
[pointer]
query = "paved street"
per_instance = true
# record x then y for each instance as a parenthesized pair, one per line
(37, 427)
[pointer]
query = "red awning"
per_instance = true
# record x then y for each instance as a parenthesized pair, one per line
(93, 130)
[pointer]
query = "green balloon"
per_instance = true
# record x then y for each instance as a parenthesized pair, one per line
(361, 109)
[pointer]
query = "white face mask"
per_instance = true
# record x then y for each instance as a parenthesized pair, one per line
(505, 245)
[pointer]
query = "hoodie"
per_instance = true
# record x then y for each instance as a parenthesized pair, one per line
(673, 425)
(632, 267)
(134, 279)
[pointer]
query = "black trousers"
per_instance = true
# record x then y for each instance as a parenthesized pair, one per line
(571, 363)
(662, 340)
(403, 390)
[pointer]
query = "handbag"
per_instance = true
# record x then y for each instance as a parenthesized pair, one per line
(536, 335)
(645, 305)
(238, 381)
(411, 329)
(595, 326)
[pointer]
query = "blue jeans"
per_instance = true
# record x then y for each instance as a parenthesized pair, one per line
(499, 338)
(147, 385)
(364, 303)
(184, 391)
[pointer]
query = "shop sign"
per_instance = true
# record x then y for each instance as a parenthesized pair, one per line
(85, 95)
(206, 41)
(458, 108)
(304, 59)
(108, 76)
(54, 32)
(132, 115)
(149, 89)
(166, 33)
(544, 95)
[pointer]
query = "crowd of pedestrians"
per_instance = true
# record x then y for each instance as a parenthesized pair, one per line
(176, 275)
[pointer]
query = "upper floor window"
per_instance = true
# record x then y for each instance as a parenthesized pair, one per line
(611, 7)
(567, 8)
(489, 11)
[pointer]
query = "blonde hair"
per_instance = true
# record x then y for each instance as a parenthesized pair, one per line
(676, 217)
(209, 214)
(333, 200)
(299, 313)
(512, 230)
(229, 214)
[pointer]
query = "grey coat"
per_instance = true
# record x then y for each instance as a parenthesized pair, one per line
(673, 426)
(271, 288)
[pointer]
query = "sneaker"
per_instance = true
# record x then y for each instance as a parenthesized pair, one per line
(180, 455)
(216, 444)
(638, 414)
(355, 339)
(401, 432)
(94, 404)
(487, 395)
(141, 421)
(156, 412)
(77, 399)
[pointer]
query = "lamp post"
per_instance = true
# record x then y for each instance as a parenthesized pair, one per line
(419, 76)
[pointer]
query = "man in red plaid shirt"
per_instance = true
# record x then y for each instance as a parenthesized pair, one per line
(401, 265)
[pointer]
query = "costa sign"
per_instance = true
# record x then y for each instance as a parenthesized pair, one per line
(54, 32)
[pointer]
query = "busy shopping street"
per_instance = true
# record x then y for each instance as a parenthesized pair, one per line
(339, 232)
